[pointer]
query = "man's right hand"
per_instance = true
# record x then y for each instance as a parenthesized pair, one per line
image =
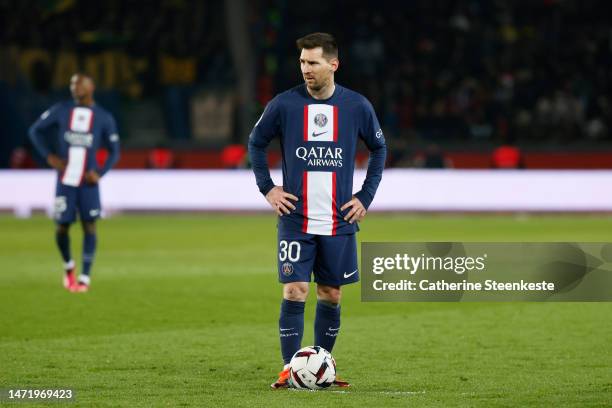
(55, 162)
(279, 200)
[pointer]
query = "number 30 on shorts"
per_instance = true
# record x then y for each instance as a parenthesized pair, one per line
(289, 250)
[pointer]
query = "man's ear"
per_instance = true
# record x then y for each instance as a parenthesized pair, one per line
(335, 63)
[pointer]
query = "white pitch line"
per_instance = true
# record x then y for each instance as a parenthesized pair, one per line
(401, 392)
(385, 392)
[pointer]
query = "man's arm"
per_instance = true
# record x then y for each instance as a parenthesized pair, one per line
(111, 141)
(37, 136)
(266, 129)
(374, 139)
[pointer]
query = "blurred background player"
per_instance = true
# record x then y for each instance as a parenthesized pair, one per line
(319, 124)
(68, 135)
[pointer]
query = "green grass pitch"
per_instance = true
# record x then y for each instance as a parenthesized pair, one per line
(183, 312)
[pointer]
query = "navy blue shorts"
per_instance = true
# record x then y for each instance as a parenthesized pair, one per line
(68, 200)
(331, 259)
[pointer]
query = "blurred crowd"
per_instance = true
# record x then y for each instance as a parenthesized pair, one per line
(444, 72)
(133, 47)
(158, 51)
(535, 72)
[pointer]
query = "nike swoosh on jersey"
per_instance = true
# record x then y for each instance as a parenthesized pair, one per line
(286, 329)
(330, 329)
(348, 275)
(318, 134)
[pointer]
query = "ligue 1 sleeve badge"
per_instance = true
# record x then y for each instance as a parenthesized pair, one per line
(287, 269)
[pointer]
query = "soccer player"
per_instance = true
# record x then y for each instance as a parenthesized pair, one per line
(319, 124)
(80, 127)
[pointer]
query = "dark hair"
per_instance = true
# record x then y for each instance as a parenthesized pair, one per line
(324, 40)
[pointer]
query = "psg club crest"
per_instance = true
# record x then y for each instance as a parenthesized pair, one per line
(287, 269)
(320, 120)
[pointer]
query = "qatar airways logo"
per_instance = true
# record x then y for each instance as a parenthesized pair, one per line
(79, 139)
(320, 156)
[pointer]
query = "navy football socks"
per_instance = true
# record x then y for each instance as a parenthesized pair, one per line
(291, 327)
(63, 243)
(89, 250)
(327, 324)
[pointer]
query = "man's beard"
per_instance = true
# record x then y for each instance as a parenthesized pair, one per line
(316, 86)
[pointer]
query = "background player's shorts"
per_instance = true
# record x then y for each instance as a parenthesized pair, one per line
(332, 259)
(68, 200)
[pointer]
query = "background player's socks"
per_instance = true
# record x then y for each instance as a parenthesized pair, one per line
(291, 327)
(63, 243)
(85, 279)
(327, 324)
(68, 266)
(69, 276)
(89, 250)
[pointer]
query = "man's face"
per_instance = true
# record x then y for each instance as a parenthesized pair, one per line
(81, 86)
(316, 69)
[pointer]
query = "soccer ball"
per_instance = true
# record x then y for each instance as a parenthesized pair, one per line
(312, 368)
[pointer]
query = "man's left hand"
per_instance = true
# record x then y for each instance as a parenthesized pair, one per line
(357, 211)
(92, 177)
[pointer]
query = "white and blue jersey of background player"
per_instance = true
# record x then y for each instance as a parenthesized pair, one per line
(80, 132)
(318, 140)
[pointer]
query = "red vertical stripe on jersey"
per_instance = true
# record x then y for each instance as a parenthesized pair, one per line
(305, 123)
(305, 200)
(334, 213)
(70, 119)
(335, 125)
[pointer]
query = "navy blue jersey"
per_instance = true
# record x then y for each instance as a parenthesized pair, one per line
(318, 141)
(81, 131)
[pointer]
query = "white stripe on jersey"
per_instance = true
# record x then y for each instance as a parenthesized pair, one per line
(320, 194)
(81, 120)
(77, 157)
(321, 123)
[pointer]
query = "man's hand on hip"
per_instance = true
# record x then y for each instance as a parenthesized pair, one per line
(92, 177)
(279, 200)
(56, 162)
(357, 212)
